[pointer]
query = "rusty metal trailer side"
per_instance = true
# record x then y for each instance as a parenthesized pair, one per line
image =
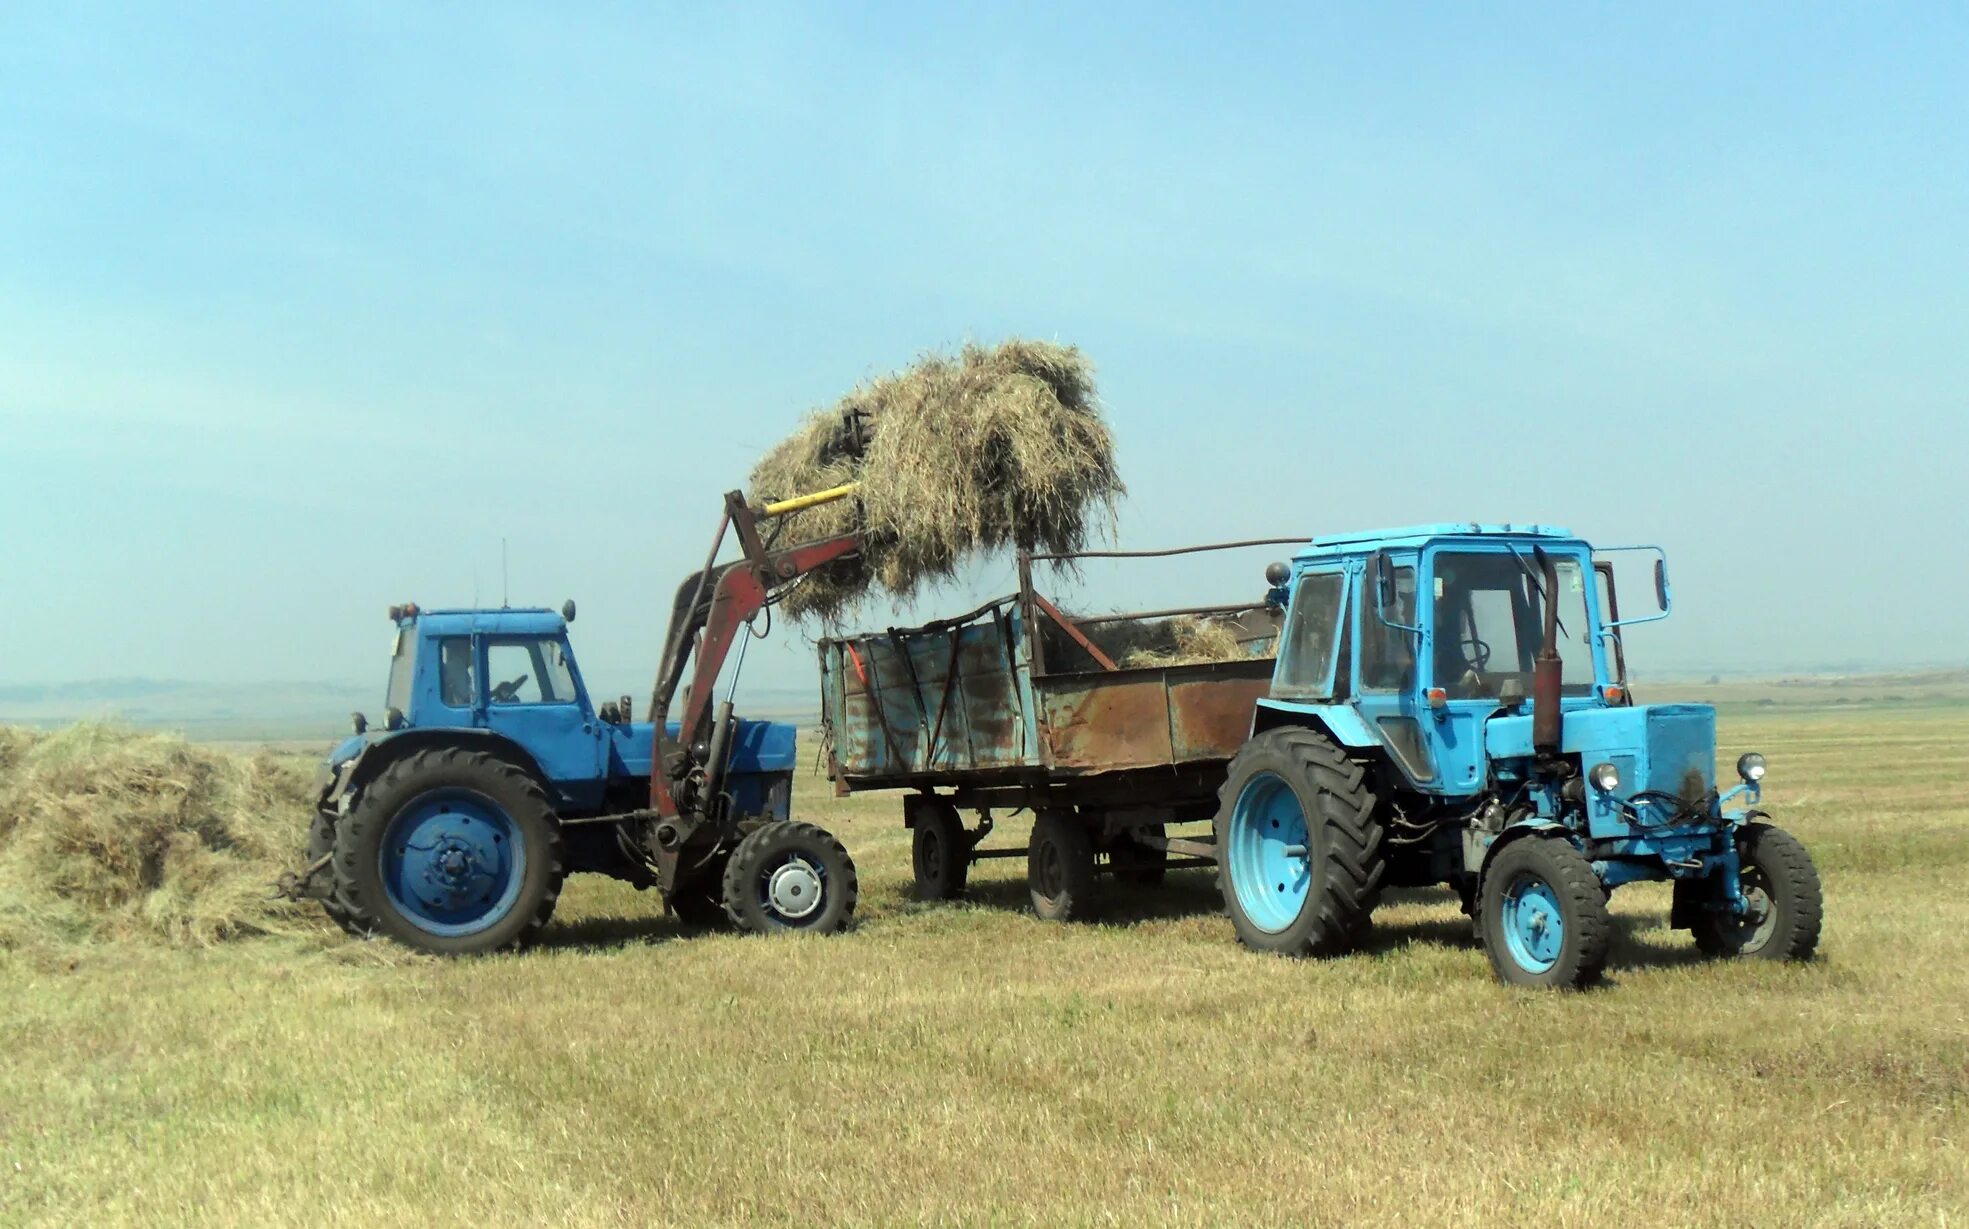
(1020, 705)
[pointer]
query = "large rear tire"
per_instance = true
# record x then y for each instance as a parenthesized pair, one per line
(321, 843)
(452, 852)
(1060, 866)
(1544, 915)
(789, 876)
(1299, 851)
(1787, 907)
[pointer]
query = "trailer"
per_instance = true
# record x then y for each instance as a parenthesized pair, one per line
(1018, 705)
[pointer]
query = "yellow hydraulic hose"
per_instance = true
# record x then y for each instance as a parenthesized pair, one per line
(798, 502)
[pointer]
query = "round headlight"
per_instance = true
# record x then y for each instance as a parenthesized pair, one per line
(1605, 778)
(1750, 767)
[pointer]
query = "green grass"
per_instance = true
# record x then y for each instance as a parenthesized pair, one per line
(970, 1064)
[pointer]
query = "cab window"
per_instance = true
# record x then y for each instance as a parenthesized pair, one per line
(1490, 618)
(455, 672)
(527, 670)
(1388, 653)
(1313, 629)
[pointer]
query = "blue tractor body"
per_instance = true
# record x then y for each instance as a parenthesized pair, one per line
(494, 775)
(1444, 692)
(591, 759)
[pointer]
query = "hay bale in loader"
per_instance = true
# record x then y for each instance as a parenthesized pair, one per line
(954, 456)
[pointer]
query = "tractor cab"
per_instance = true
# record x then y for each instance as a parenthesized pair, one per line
(508, 679)
(1467, 683)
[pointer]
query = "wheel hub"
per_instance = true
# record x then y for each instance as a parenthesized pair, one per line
(793, 890)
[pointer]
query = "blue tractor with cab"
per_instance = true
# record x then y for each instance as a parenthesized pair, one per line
(1450, 706)
(494, 775)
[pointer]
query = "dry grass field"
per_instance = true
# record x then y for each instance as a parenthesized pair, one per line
(968, 1064)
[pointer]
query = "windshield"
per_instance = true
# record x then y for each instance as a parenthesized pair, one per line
(1489, 619)
(401, 659)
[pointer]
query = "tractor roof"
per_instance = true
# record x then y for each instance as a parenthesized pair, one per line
(1416, 535)
(516, 621)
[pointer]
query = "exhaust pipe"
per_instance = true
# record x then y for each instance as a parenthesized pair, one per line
(1547, 671)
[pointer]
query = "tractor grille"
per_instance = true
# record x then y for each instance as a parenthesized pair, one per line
(1681, 750)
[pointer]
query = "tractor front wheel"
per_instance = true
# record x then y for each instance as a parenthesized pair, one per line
(451, 851)
(1544, 916)
(1785, 910)
(789, 876)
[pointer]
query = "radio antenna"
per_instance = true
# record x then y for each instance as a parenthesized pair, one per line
(505, 587)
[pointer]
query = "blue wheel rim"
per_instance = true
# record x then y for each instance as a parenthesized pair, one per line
(1269, 870)
(453, 861)
(1533, 925)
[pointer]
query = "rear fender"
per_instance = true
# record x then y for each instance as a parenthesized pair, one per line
(364, 767)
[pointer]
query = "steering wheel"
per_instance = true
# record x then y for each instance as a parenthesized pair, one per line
(506, 693)
(1476, 654)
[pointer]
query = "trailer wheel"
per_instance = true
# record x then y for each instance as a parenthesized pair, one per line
(1544, 920)
(452, 852)
(1299, 850)
(1135, 863)
(789, 876)
(1786, 906)
(321, 843)
(1060, 866)
(939, 851)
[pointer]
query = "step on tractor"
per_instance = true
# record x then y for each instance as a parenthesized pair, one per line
(1450, 706)
(494, 775)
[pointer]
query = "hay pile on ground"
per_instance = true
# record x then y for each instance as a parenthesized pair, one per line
(999, 446)
(1195, 641)
(106, 833)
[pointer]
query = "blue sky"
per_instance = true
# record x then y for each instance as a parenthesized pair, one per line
(304, 308)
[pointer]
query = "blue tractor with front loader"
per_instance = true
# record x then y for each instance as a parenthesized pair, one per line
(494, 774)
(1450, 706)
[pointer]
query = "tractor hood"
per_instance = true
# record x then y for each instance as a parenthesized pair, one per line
(1670, 748)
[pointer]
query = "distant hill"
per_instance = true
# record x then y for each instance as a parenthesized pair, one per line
(273, 711)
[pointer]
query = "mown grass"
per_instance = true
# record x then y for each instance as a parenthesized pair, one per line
(970, 1064)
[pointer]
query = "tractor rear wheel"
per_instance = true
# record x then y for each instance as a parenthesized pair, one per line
(1786, 906)
(1060, 866)
(1544, 916)
(789, 876)
(452, 852)
(321, 843)
(939, 850)
(1299, 852)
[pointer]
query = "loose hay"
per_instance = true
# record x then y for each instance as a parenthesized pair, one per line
(999, 446)
(106, 833)
(1196, 641)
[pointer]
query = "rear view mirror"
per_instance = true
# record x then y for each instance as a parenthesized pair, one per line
(1661, 583)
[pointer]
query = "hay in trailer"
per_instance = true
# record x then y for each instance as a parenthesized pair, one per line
(1193, 641)
(1000, 446)
(106, 833)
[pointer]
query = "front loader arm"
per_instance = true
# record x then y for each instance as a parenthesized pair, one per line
(707, 629)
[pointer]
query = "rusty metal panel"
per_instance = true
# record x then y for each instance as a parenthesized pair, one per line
(1151, 718)
(1105, 722)
(1209, 718)
(943, 701)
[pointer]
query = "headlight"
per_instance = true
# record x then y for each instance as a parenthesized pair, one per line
(1605, 778)
(1750, 767)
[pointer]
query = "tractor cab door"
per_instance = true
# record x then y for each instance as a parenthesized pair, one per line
(1389, 645)
(532, 695)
